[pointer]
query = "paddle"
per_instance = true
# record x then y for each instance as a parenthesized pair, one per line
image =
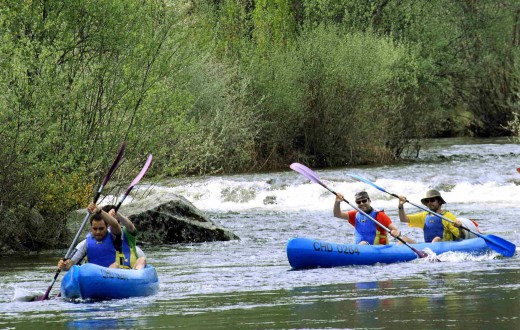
(136, 180)
(309, 174)
(96, 197)
(498, 244)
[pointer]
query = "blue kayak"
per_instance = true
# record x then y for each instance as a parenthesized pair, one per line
(95, 282)
(313, 253)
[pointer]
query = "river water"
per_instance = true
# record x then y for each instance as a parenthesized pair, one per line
(248, 283)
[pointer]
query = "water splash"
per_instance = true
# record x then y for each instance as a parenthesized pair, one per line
(24, 295)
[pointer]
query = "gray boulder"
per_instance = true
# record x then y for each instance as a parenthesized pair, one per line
(169, 219)
(163, 219)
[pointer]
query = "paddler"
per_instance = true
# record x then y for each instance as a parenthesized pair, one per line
(137, 257)
(366, 230)
(435, 228)
(100, 245)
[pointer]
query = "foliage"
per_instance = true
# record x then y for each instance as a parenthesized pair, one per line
(514, 126)
(318, 102)
(78, 79)
(219, 130)
(220, 86)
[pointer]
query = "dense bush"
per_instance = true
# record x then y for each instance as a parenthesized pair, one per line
(331, 92)
(232, 86)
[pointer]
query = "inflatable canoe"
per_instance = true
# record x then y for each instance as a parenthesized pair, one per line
(94, 282)
(313, 253)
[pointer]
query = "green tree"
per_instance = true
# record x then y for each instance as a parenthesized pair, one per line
(78, 79)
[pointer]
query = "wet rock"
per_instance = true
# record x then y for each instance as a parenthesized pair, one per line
(163, 219)
(168, 219)
(269, 200)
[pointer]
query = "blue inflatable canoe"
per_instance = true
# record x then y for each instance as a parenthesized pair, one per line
(313, 253)
(94, 282)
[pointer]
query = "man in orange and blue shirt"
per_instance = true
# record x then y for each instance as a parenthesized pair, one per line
(366, 230)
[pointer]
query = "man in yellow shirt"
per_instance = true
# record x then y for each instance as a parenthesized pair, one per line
(435, 228)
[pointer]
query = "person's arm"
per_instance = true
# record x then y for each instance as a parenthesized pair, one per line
(124, 221)
(81, 252)
(394, 231)
(115, 229)
(385, 220)
(337, 210)
(453, 230)
(402, 215)
(452, 227)
(65, 264)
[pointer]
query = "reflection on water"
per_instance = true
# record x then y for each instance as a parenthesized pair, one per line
(103, 324)
(364, 303)
(442, 301)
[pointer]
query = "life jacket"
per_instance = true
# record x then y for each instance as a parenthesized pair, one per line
(125, 255)
(104, 253)
(433, 227)
(366, 229)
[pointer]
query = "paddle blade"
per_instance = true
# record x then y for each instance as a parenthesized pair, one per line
(500, 245)
(365, 180)
(518, 170)
(141, 174)
(41, 298)
(115, 163)
(110, 171)
(45, 296)
(305, 171)
(136, 180)
(421, 254)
